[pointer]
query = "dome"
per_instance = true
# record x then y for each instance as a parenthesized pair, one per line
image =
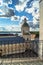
(25, 24)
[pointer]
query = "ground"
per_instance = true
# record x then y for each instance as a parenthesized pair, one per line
(27, 63)
(23, 63)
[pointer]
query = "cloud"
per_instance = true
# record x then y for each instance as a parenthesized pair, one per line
(15, 18)
(29, 10)
(10, 28)
(16, 28)
(1, 2)
(35, 5)
(34, 21)
(7, 1)
(35, 11)
(22, 1)
(8, 12)
(22, 4)
(1, 29)
(1, 12)
(34, 29)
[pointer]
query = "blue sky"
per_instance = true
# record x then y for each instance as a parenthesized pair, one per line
(12, 13)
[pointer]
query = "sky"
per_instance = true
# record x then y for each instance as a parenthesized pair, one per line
(13, 12)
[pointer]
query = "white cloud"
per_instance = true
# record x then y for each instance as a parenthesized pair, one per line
(2, 12)
(6, 2)
(36, 15)
(10, 28)
(8, 12)
(1, 2)
(32, 29)
(29, 10)
(22, 1)
(15, 18)
(20, 7)
(15, 28)
(34, 20)
(35, 6)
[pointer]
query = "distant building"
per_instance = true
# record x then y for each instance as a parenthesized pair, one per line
(25, 29)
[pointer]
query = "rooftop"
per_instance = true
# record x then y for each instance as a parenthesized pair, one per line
(12, 40)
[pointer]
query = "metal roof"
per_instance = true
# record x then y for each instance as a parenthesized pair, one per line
(12, 40)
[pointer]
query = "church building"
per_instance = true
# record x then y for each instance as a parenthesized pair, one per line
(25, 30)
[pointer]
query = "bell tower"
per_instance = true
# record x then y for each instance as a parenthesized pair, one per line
(25, 30)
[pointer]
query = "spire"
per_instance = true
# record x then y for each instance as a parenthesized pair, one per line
(25, 19)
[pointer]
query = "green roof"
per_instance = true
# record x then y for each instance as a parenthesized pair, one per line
(25, 24)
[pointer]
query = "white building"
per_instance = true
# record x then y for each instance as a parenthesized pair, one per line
(25, 29)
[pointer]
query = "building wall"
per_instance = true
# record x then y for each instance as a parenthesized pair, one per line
(27, 37)
(32, 36)
(24, 29)
(41, 31)
(41, 20)
(25, 33)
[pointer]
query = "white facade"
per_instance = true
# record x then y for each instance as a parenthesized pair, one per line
(25, 30)
(41, 30)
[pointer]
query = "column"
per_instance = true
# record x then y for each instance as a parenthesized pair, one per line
(41, 31)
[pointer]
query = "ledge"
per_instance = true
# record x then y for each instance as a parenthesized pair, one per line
(12, 60)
